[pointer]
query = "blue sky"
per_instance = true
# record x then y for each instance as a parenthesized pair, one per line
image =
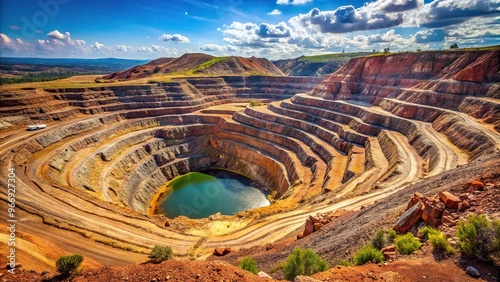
(274, 29)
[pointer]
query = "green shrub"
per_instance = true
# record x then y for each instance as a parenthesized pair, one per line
(368, 254)
(426, 231)
(344, 262)
(391, 235)
(436, 239)
(379, 239)
(255, 103)
(249, 264)
(303, 262)
(478, 237)
(69, 265)
(496, 228)
(407, 244)
(439, 243)
(161, 253)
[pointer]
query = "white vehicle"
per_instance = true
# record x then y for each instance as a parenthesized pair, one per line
(37, 126)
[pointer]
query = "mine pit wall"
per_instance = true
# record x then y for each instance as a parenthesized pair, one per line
(436, 84)
(190, 93)
(486, 110)
(422, 144)
(160, 154)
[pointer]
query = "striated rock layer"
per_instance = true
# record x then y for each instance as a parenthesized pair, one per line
(366, 132)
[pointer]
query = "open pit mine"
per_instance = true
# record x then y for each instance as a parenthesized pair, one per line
(92, 179)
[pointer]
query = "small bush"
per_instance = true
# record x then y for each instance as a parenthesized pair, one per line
(426, 231)
(255, 103)
(436, 239)
(69, 265)
(439, 243)
(391, 235)
(407, 244)
(496, 228)
(479, 237)
(161, 253)
(303, 262)
(368, 254)
(249, 264)
(379, 239)
(344, 262)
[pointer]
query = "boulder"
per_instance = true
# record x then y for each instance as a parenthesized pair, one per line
(464, 196)
(317, 226)
(448, 221)
(434, 210)
(314, 219)
(450, 201)
(414, 199)
(472, 271)
(389, 252)
(264, 275)
(219, 252)
(463, 205)
(446, 213)
(409, 218)
(477, 185)
(433, 221)
(309, 228)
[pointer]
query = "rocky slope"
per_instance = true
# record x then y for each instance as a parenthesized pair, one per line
(320, 65)
(199, 64)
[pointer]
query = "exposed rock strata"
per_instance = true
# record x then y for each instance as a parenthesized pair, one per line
(109, 161)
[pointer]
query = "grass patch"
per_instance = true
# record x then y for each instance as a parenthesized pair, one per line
(440, 244)
(344, 262)
(303, 262)
(379, 240)
(407, 244)
(161, 253)
(255, 103)
(391, 235)
(203, 66)
(69, 265)
(249, 265)
(426, 231)
(368, 254)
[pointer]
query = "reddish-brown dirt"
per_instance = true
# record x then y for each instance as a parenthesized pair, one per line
(166, 271)
(188, 62)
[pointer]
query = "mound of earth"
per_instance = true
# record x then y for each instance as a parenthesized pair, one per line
(199, 64)
(166, 271)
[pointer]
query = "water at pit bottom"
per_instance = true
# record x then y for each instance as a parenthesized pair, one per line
(201, 194)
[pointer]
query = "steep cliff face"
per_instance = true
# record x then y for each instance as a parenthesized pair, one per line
(441, 78)
(319, 65)
(444, 88)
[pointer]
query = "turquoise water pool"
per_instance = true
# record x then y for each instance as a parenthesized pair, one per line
(201, 194)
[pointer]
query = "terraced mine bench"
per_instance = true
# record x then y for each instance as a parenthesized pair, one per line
(355, 138)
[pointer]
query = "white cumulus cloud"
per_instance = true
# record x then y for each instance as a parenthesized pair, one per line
(292, 2)
(274, 12)
(176, 38)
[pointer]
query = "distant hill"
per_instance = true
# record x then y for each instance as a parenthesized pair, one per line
(16, 70)
(104, 63)
(316, 65)
(199, 64)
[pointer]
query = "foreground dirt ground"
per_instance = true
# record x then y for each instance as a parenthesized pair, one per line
(424, 268)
